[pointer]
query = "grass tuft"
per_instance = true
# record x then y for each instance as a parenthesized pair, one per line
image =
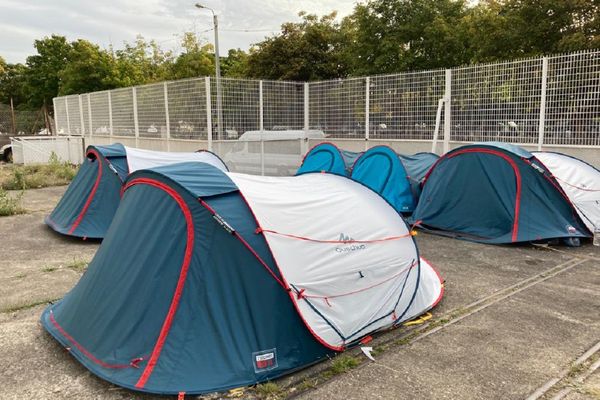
(78, 265)
(307, 384)
(269, 390)
(10, 205)
(21, 177)
(27, 306)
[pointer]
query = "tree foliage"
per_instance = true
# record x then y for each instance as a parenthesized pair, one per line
(307, 50)
(379, 36)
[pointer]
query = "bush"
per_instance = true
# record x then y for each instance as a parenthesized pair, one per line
(20, 177)
(10, 205)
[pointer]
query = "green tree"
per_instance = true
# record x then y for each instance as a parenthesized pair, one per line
(44, 69)
(140, 63)
(12, 84)
(235, 64)
(508, 29)
(400, 35)
(307, 50)
(195, 60)
(89, 69)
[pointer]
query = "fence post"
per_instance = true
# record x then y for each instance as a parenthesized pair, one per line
(68, 120)
(260, 106)
(208, 114)
(136, 127)
(89, 101)
(447, 110)
(262, 156)
(54, 100)
(541, 126)
(262, 127)
(167, 118)
(82, 122)
(110, 119)
(306, 106)
(367, 111)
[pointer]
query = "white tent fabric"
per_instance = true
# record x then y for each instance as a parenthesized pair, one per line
(143, 159)
(580, 181)
(347, 256)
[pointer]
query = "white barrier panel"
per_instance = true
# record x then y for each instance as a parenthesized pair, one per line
(39, 149)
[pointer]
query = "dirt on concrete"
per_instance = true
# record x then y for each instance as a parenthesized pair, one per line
(505, 351)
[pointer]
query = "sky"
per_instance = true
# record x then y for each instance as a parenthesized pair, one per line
(241, 22)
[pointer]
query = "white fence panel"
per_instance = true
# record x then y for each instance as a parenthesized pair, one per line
(573, 100)
(39, 149)
(538, 102)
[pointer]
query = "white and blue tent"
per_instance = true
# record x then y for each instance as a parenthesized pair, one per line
(238, 279)
(580, 181)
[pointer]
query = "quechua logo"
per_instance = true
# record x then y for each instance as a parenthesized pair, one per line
(349, 246)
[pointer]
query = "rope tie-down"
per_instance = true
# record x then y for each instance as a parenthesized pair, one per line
(576, 186)
(301, 293)
(348, 241)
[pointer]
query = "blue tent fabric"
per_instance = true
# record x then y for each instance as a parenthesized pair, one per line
(509, 147)
(495, 194)
(396, 177)
(114, 319)
(87, 207)
(327, 157)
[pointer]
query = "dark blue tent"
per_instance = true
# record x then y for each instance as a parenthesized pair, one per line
(396, 177)
(87, 207)
(91, 200)
(327, 157)
(187, 292)
(495, 193)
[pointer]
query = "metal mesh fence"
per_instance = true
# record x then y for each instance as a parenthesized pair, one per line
(268, 157)
(152, 118)
(240, 107)
(404, 106)
(497, 102)
(20, 122)
(85, 113)
(283, 105)
(573, 100)
(74, 113)
(187, 109)
(123, 119)
(555, 99)
(337, 107)
(99, 113)
(60, 115)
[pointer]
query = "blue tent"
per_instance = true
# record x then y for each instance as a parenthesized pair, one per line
(495, 193)
(194, 291)
(91, 200)
(327, 157)
(395, 176)
(87, 207)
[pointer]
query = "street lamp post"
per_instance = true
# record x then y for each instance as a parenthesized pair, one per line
(218, 72)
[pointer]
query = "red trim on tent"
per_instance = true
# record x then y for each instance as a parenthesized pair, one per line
(515, 229)
(247, 245)
(92, 193)
(435, 303)
(82, 349)
(301, 294)
(289, 290)
(182, 275)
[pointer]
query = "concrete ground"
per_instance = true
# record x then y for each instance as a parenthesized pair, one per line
(513, 318)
